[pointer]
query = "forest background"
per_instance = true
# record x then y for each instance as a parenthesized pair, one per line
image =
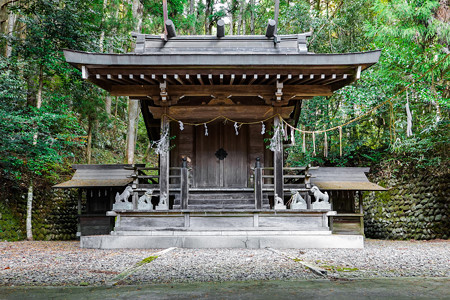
(50, 118)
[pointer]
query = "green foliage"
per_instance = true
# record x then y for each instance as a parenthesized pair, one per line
(411, 37)
(19, 123)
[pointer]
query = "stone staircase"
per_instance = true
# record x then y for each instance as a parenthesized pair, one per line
(226, 200)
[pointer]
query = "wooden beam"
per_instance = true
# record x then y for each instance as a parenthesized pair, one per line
(266, 77)
(287, 78)
(210, 78)
(168, 79)
(84, 72)
(358, 73)
(188, 78)
(322, 77)
(125, 80)
(243, 78)
(207, 90)
(276, 78)
(142, 77)
(255, 76)
(111, 78)
(339, 78)
(205, 112)
(177, 78)
(199, 78)
(232, 79)
(327, 80)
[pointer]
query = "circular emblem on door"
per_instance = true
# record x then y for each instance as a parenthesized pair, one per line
(221, 154)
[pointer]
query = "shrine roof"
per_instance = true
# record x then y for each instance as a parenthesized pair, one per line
(343, 178)
(241, 57)
(98, 176)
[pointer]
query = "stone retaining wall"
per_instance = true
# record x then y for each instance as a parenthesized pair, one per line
(416, 206)
(54, 214)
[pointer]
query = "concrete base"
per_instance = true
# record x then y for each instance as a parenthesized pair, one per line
(226, 239)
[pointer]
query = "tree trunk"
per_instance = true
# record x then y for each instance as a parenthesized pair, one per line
(191, 7)
(133, 106)
(408, 118)
(208, 11)
(10, 29)
(252, 17)
(41, 85)
(241, 16)
(108, 102)
(191, 12)
(35, 137)
(276, 13)
(102, 34)
(29, 227)
(137, 8)
(89, 141)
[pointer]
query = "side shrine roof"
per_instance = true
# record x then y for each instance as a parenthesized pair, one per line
(98, 176)
(343, 178)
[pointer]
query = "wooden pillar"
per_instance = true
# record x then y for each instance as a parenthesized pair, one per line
(308, 186)
(133, 109)
(164, 161)
(258, 184)
(278, 164)
(184, 183)
(80, 196)
(135, 196)
(361, 211)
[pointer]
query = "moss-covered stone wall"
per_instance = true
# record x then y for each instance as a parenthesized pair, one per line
(415, 207)
(54, 214)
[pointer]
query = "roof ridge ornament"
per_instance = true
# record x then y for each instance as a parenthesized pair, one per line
(220, 28)
(170, 27)
(270, 30)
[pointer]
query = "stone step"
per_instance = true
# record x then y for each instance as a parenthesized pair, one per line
(124, 231)
(243, 240)
(202, 207)
(219, 201)
(221, 196)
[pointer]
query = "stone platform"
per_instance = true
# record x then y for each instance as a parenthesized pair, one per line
(224, 239)
(222, 229)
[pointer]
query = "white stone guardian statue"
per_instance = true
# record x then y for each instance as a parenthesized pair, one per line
(122, 201)
(163, 202)
(279, 204)
(321, 199)
(145, 201)
(297, 201)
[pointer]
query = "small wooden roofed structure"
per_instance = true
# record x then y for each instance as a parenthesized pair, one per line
(345, 186)
(229, 181)
(343, 178)
(97, 186)
(87, 176)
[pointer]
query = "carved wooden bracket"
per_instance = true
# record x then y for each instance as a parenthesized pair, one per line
(279, 91)
(163, 93)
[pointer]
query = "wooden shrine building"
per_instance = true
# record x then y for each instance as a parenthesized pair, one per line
(211, 103)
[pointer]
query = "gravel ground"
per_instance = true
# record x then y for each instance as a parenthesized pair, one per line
(64, 263)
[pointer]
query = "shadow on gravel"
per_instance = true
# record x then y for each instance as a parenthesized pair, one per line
(386, 288)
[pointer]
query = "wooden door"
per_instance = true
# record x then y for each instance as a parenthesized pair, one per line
(221, 172)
